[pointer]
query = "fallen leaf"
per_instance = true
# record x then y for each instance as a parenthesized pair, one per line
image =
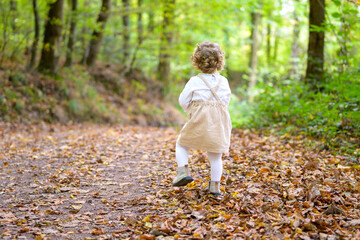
(97, 231)
(147, 237)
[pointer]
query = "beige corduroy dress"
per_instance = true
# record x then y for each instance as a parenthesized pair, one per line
(209, 124)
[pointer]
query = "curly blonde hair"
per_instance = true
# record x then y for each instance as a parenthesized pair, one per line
(208, 57)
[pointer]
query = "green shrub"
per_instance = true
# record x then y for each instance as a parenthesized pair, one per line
(327, 114)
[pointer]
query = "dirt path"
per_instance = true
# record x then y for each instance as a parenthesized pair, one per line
(93, 181)
(72, 181)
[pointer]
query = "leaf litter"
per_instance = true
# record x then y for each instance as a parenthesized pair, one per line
(103, 182)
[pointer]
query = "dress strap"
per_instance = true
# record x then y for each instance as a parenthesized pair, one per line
(213, 90)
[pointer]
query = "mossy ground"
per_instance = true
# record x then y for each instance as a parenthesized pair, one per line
(100, 95)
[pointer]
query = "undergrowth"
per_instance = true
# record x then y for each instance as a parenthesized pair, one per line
(70, 96)
(331, 115)
(102, 95)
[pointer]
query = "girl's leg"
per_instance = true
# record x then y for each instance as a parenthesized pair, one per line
(183, 173)
(182, 156)
(216, 166)
(216, 172)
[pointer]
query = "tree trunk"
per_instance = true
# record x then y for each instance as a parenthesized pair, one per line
(82, 37)
(140, 22)
(13, 14)
(166, 40)
(97, 34)
(126, 28)
(294, 57)
(151, 24)
(52, 37)
(72, 34)
(227, 48)
(36, 36)
(268, 44)
(255, 16)
(5, 36)
(276, 45)
(276, 41)
(344, 32)
(315, 62)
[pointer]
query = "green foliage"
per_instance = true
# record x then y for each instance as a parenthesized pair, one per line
(282, 100)
(138, 87)
(332, 113)
(83, 101)
(240, 112)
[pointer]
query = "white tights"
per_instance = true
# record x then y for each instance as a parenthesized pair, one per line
(182, 158)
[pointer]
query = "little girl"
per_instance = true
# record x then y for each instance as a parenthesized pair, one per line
(205, 99)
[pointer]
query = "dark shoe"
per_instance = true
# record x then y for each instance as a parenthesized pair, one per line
(182, 179)
(214, 188)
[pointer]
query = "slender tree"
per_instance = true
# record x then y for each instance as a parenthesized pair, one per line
(343, 38)
(72, 34)
(227, 47)
(166, 40)
(295, 46)
(50, 53)
(315, 62)
(83, 33)
(97, 34)
(140, 22)
(130, 66)
(151, 24)
(13, 14)
(277, 36)
(126, 30)
(35, 43)
(5, 35)
(255, 17)
(268, 43)
(276, 44)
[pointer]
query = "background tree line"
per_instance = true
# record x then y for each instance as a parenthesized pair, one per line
(267, 35)
(270, 46)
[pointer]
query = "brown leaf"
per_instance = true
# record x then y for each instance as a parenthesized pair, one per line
(24, 229)
(354, 222)
(308, 225)
(157, 232)
(165, 230)
(333, 210)
(97, 231)
(147, 237)
(6, 233)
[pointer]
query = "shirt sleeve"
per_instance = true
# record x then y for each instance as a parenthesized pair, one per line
(228, 94)
(186, 95)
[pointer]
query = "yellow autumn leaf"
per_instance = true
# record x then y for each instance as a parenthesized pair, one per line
(221, 226)
(76, 207)
(39, 237)
(196, 235)
(146, 219)
(148, 225)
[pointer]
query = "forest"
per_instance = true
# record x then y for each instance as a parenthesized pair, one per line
(89, 93)
(291, 64)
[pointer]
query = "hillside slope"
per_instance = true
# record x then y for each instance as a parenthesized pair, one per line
(101, 95)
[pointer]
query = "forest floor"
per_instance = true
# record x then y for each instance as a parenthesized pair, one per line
(103, 181)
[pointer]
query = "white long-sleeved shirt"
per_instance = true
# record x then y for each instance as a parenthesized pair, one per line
(196, 90)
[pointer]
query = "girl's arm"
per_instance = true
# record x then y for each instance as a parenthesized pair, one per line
(228, 94)
(186, 95)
